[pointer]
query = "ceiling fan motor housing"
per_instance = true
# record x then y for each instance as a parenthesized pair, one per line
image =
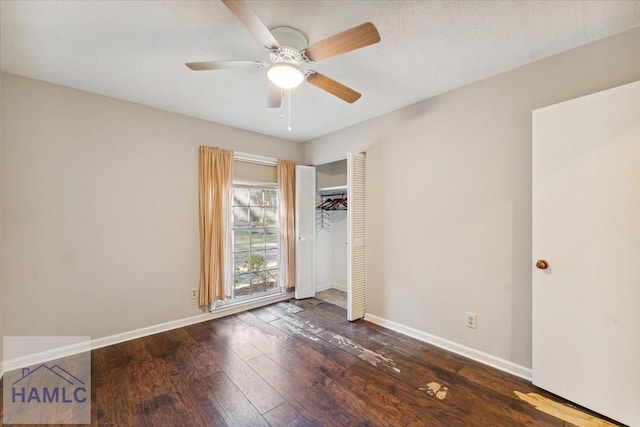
(292, 43)
(286, 54)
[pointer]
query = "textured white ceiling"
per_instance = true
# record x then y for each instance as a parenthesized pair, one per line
(136, 50)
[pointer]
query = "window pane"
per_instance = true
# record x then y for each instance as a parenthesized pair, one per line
(251, 262)
(241, 197)
(271, 238)
(258, 281)
(257, 217)
(241, 240)
(240, 262)
(256, 197)
(256, 264)
(270, 198)
(257, 239)
(271, 279)
(272, 258)
(270, 217)
(240, 217)
(242, 283)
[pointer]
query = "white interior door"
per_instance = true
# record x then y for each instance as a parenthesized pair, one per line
(305, 231)
(357, 253)
(586, 224)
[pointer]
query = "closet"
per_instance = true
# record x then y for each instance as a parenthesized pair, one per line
(332, 201)
(330, 231)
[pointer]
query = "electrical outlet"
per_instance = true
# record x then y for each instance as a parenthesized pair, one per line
(194, 293)
(472, 320)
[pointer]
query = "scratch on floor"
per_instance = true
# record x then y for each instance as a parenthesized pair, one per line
(312, 326)
(436, 390)
(290, 308)
(302, 324)
(562, 412)
(303, 333)
(365, 354)
(293, 329)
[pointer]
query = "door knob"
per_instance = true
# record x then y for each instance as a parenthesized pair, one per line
(542, 264)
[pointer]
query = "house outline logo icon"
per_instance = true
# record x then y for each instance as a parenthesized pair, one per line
(37, 386)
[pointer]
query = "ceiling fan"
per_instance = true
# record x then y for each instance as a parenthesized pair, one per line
(284, 71)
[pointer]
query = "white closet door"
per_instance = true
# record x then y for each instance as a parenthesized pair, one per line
(356, 265)
(586, 206)
(305, 231)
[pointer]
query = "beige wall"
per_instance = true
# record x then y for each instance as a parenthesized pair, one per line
(100, 209)
(449, 197)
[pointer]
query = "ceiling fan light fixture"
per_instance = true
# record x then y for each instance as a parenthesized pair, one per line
(285, 75)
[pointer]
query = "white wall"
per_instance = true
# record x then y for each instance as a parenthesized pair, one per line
(324, 258)
(331, 253)
(100, 209)
(449, 197)
(332, 174)
(2, 310)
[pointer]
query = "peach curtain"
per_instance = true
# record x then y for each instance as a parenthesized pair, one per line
(216, 186)
(286, 171)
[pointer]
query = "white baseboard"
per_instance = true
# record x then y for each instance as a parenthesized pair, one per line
(478, 356)
(57, 353)
(331, 286)
(323, 287)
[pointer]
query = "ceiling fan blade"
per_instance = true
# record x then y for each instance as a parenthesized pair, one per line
(250, 20)
(346, 41)
(333, 87)
(221, 65)
(274, 97)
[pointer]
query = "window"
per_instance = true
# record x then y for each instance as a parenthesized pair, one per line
(255, 240)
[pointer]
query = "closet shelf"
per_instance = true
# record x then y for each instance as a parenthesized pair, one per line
(330, 189)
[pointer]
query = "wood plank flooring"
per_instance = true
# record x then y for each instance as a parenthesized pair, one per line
(333, 296)
(300, 363)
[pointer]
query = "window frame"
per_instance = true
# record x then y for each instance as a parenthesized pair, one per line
(272, 229)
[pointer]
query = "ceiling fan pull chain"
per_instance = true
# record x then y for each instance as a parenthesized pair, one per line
(289, 114)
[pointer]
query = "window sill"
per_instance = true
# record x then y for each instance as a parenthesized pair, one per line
(240, 306)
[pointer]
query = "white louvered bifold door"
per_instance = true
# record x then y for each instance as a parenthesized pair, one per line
(305, 231)
(356, 265)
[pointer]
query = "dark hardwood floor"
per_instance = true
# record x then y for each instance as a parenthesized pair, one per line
(299, 363)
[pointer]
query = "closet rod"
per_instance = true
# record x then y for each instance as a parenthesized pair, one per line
(344, 193)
